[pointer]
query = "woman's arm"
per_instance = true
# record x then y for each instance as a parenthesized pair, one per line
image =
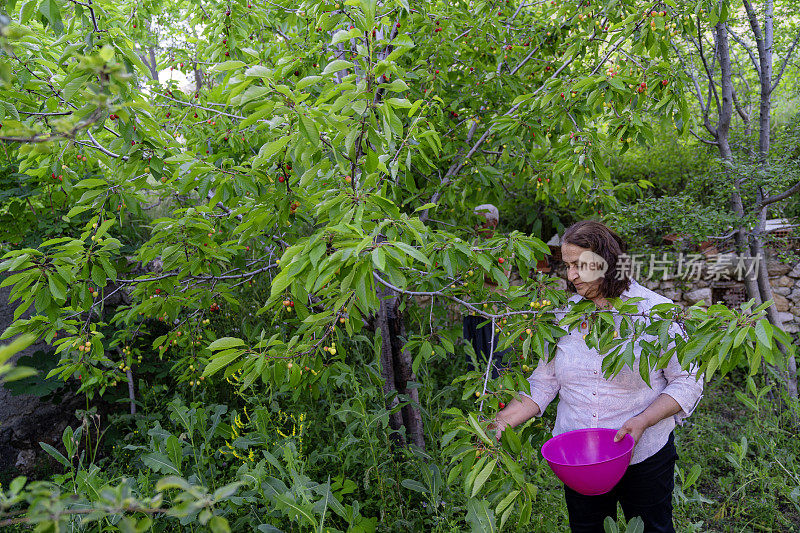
(662, 407)
(514, 414)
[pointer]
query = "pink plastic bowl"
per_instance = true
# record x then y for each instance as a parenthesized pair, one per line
(588, 460)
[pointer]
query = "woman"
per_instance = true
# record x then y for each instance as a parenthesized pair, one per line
(587, 399)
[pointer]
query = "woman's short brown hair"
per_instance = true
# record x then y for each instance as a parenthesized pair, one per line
(603, 241)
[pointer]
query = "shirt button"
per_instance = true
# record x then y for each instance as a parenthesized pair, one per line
(594, 415)
(595, 371)
(594, 393)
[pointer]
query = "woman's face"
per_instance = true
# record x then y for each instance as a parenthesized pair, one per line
(585, 270)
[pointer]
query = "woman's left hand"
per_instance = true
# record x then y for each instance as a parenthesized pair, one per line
(634, 426)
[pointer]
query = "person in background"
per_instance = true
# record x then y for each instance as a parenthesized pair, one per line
(587, 400)
(481, 336)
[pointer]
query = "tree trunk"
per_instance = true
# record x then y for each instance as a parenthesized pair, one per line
(726, 88)
(764, 44)
(387, 369)
(396, 371)
(198, 78)
(403, 375)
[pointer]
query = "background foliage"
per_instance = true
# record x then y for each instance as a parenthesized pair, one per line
(215, 202)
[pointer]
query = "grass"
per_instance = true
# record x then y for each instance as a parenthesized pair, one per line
(750, 461)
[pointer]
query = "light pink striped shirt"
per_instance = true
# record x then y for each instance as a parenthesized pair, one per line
(588, 400)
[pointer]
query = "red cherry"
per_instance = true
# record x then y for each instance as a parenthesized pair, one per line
(398, 24)
(502, 405)
(281, 179)
(501, 260)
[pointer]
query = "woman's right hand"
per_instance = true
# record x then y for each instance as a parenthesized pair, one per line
(514, 414)
(498, 425)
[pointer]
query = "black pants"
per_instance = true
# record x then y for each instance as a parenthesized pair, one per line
(481, 339)
(644, 491)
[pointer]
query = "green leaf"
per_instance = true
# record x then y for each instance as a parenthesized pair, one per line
(305, 82)
(480, 517)
(26, 11)
(511, 440)
(158, 462)
(219, 524)
(507, 501)
(740, 335)
(309, 129)
(258, 71)
(225, 342)
(336, 66)
(226, 66)
(483, 476)
(172, 482)
(764, 333)
(56, 455)
(49, 8)
(413, 484)
(270, 149)
(397, 86)
(478, 429)
(694, 474)
(413, 252)
(220, 360)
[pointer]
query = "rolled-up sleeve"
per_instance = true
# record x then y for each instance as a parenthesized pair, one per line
(682, 385)
(543, 383)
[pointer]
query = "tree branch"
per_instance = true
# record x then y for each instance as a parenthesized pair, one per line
(747, 48)
(709, 73)
(753, 19)
(706, 141)
(785, 62)
(745, 117)
(778, 197)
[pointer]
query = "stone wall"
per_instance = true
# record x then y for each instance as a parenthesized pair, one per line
(26, 420)
(785, 281)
